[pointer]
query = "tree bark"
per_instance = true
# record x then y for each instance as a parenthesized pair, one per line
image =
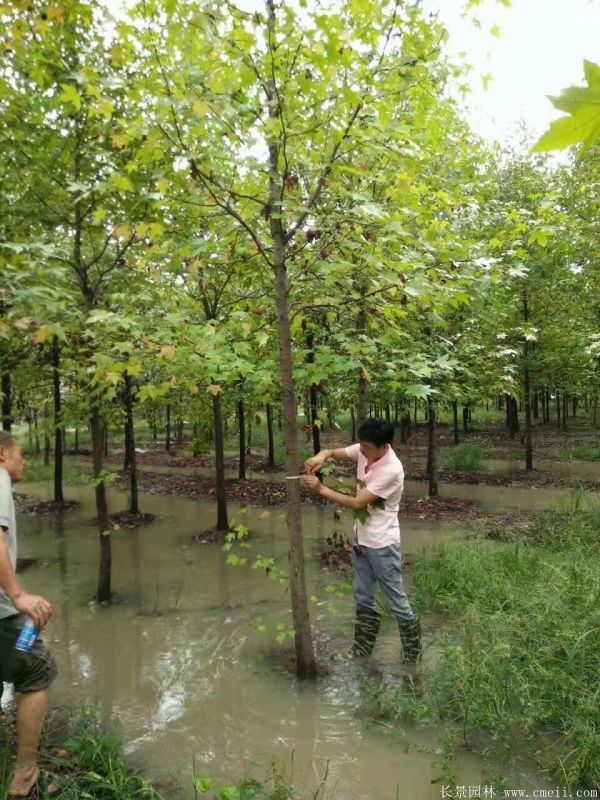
(242, 440)
(512, 410)
(46, 434)
(455, 421)
(270, 437)
(37, 432)
(103, 594)
(432, 470)
(134, 506)
(527, 390)
(7, 419)
(168, 429)
(465, 416)
(222, 519)
(58, 423)
(305, 657)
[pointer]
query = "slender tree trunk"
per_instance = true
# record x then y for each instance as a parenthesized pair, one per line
(305, 657)
(58, 423)
(134, 505)
(575, 403)
(432, 469)
(416, 407)
(565, 410)
(363, 384)
(313, 397)
(270, 437)
(7, 419)
(77, 438)
(242, 440)
(222, 519)
(455, 421)
(536, 404)
(465, 416)
(103, 594)
(126, 452)
(168, 429)
(352, 423)
(527, 390)
(46, 434)
(513, 416)
(37, 432)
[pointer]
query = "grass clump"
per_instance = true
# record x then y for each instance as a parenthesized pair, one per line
(581, 452)
(37, 472)
(522, 664)
(87, 765)
(466, 457)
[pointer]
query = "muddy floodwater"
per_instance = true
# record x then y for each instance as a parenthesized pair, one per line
(178, 666)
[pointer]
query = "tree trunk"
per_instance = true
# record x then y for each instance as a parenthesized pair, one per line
(465, 416)
(130, 445)
(126, 451)
(7, 419)
(270, 437)
(565, 410)
(77, 438)
(105, 440)
(46, 435)
(574, 403)
(432, 471)
(416, 406)
(352, 423)
(242, 440)
(168, 429)
(313, 397)
(536, 404)
(363, 385)
(527, 390)
(103, 595)
(37, 432)
(58, 423)
(305, 657)
(455, 421)
(222, 520)
(513, 416)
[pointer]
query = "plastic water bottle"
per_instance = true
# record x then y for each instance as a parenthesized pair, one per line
(27, 637)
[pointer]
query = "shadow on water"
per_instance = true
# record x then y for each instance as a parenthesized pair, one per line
(177, 666)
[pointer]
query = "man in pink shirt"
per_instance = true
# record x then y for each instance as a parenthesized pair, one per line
(376, 554)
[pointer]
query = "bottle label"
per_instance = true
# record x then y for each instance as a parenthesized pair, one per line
(27, 637)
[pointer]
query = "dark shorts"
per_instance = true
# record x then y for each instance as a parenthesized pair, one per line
(28, 672)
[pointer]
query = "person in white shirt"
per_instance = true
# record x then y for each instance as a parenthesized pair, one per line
(376, 553)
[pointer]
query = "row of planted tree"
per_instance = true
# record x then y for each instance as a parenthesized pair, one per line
(292, 200)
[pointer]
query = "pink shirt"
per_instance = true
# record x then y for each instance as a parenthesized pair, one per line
(385, 478)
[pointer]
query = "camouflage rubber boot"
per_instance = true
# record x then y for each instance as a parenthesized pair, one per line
(366, 629)
(410, 634)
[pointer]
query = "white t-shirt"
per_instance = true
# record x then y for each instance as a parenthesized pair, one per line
(8, 521)
(384, 478)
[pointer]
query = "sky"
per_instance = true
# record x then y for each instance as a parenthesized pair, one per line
(539, 52)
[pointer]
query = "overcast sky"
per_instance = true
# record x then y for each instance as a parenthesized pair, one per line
(540, 51)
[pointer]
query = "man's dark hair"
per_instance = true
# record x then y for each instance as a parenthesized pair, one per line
(7, 440)
(377, 431)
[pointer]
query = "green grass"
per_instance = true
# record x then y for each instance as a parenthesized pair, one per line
(88, 765)
(465, 457)
(523, 660)
(36, 472)
(581, 452)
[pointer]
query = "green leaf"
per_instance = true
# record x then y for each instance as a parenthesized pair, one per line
(583, 106)
(202, 783)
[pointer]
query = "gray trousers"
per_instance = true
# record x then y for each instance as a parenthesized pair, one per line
(383, 565)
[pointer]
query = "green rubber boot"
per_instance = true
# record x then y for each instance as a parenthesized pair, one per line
(410, 635)
(366, 629)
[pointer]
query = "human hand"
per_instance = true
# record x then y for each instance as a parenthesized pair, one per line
(315, 464)
(313, 483)
(34, 606)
